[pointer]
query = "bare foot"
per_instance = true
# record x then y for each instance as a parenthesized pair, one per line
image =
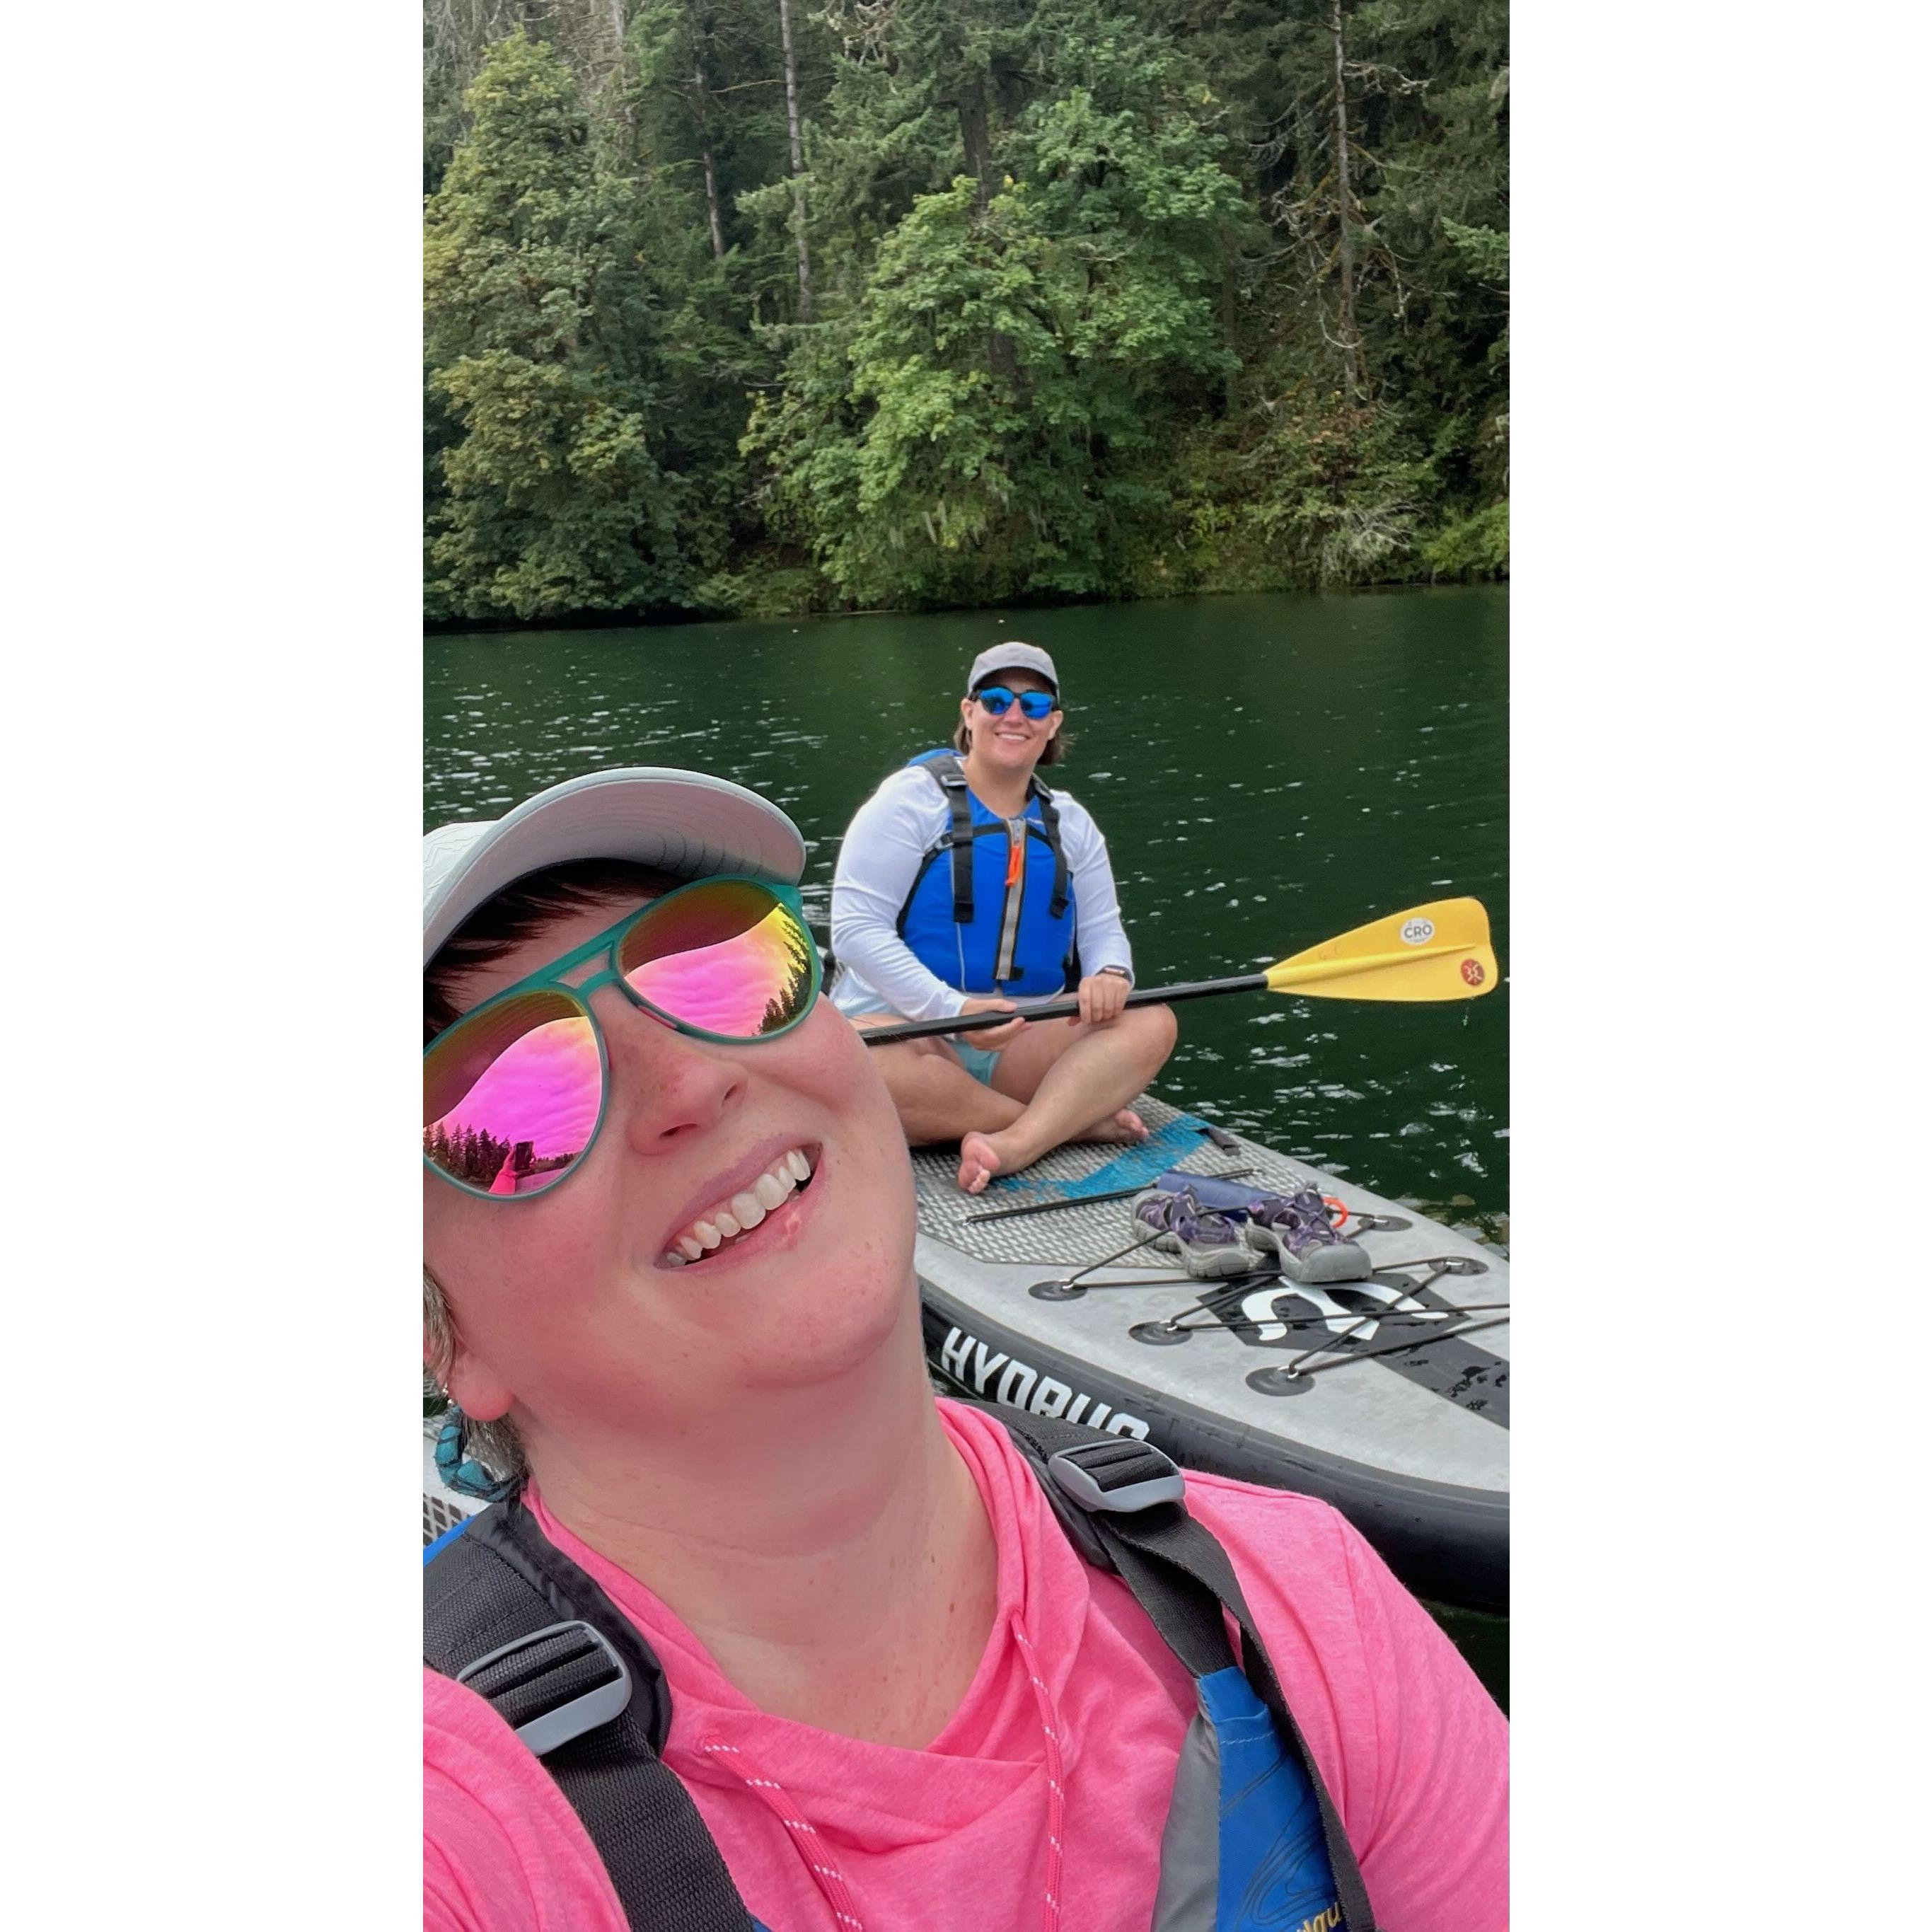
(1124, 1128)
(979, 1162)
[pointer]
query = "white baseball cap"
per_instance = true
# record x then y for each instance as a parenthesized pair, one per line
(1014, 656)
(683, 822)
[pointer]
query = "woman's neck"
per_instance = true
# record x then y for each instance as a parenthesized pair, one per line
(999, 790)
(829, 1548)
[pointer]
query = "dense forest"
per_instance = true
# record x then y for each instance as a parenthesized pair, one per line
(747, 307)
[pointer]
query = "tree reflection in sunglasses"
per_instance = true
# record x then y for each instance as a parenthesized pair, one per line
(519, 1075)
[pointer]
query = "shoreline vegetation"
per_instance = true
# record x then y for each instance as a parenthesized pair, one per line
(626, 620)
(735, 309)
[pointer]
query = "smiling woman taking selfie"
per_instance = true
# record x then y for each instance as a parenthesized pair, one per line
(756, 1632)
(967, 885)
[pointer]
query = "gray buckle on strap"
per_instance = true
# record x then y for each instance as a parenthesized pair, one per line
(1116, 1476)
(565, 1649)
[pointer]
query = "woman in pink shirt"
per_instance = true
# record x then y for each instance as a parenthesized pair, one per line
(669, 1286)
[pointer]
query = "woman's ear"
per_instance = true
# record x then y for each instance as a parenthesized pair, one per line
(474, 1387)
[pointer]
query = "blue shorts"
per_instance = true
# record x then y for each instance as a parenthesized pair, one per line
(976, 1061)
(855, 1002)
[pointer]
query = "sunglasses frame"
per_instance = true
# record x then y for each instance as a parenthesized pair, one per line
(1019, 697)
(550, 978)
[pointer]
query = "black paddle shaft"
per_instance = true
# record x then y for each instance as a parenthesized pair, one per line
(1055, 1009)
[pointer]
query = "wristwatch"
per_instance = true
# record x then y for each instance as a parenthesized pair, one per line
(1119, 972)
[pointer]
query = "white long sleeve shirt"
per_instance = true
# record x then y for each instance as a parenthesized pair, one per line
(890, 836)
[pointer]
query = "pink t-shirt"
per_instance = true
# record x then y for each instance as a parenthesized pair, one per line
(827, 1834)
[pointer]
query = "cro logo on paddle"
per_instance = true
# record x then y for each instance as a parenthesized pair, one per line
(1418, 932)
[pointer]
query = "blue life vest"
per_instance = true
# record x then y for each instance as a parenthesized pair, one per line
(998, 916)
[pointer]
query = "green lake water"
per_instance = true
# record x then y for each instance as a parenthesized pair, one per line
(1269, 772)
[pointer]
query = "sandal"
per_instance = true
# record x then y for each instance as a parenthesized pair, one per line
(1296, 1231)
(1209, 1244)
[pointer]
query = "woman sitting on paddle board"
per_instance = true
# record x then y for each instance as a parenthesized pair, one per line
(799, 1648)
(965, 886)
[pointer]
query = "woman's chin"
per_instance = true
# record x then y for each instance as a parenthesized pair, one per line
(1016, 756)
(832, 1330)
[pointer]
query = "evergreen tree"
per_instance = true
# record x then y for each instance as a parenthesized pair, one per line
(993, 428)
(745, 305)
(542, 320)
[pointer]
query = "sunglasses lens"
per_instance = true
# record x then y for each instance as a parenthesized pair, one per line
(511, 1097)
(999, 700)
(727, 957)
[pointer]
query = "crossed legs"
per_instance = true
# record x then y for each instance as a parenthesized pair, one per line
(1061, 1080)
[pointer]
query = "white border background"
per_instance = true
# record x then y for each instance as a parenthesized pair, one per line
(214, 729)
(215, 750)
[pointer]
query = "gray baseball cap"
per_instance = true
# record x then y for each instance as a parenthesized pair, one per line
(1012, 657)
(683, 822)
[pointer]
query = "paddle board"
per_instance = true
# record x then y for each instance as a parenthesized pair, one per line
(1388, 1398)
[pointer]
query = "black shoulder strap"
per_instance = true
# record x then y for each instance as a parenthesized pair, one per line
(949, 774)
(506, 1612)
(1049, 818)
(509, 1615)
(1127, 1497)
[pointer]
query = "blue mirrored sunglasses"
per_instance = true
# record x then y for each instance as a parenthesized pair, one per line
(999, 700)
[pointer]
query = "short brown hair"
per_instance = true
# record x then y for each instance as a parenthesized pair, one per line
(505, 921)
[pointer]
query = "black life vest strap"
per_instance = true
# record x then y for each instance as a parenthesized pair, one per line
(507, 1613)
(1049, 818)
(949, 774)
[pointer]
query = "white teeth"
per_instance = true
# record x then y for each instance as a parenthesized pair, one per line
(743, 1212)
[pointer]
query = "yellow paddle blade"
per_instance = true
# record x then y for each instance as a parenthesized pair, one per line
(1439, 951)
